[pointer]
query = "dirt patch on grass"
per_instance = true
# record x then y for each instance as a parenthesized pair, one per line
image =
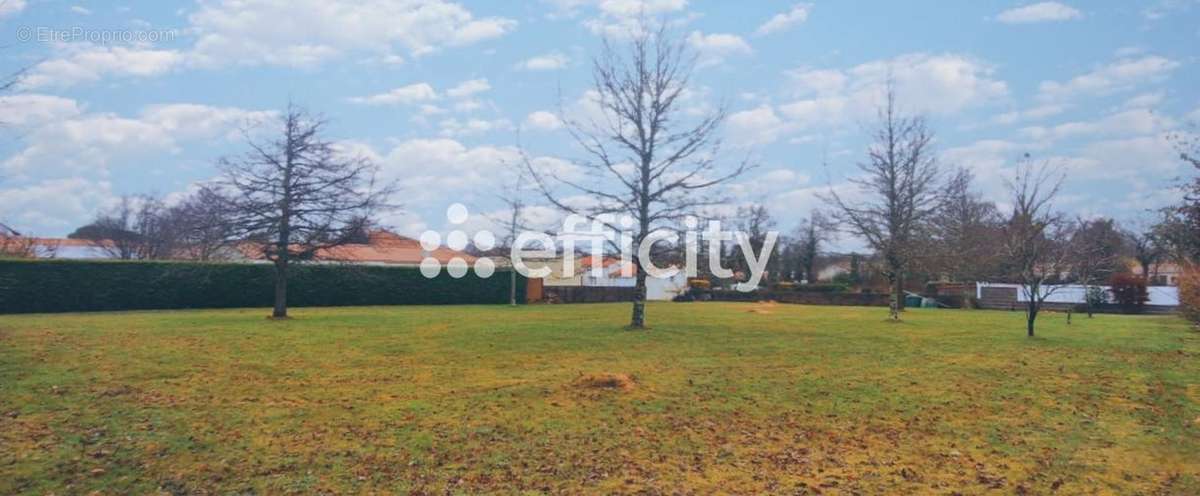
(605, 381)
(764, 307)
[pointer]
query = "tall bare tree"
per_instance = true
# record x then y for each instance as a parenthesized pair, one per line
(964, 232)
(296, 195)
(204, 232)
(643, 157)
(1147, 247)
(754, 222)
(515, 197)
(1098, 251)
(812, 233)
(1036, 239)
(900, 179)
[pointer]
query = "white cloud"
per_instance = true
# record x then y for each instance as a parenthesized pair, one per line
(11, 7)
(27, 110)
(714, 48)
(1129, 122)
(617, 18)
(78, 9)
(53, 206)
(444, 169)
(82, 63)
(308, 32)
(469, 88)
(91, 143)
(543, 120)
(193, 121)
(1030, 114)
(404, 95)
(545, 62)
(785, 20)
(1117, 76)
(926, 83)
(1039, 12)
(756, 126)
(467, 127)
(1147, 156)
(1145, 100)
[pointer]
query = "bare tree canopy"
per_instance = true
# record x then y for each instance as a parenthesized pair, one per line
(296, 194)
(964, 233)
(642, 156)
(1036, 238)
(137, 228)
(900, 182)
(809, 237)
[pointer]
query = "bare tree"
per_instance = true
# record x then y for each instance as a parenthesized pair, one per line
(137, 228)
(296, 195)
(202, 223)
(514, 195)
(1148, 248)
(1036, 238)
(810, 236)
(754, 222)
(643, 157)
(1097, 249)
(900, 178)
(964, 232)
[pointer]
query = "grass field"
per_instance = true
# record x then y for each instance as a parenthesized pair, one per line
(732, 397)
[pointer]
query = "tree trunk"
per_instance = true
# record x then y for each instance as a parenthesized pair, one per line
(900, 304)
(281, 266)
(1030, 318)
(638, 319)
(512, 286)
(894, 301)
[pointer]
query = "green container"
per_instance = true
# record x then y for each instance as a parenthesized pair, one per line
(913, 301)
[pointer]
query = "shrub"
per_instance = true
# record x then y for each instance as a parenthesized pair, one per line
(784, 286)
(1129, 292)
(89, 285)
(820, 288)
(1189, 293)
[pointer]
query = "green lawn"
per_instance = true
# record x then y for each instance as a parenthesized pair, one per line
(733, 397)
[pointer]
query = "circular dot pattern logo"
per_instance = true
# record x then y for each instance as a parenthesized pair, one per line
(457, 240)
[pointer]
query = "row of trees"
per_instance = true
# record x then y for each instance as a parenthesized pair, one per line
(649, 156)
(289, 197)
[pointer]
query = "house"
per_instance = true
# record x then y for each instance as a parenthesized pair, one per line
(1161, 274)
(382, 248)
(833, 269)
(617, 273)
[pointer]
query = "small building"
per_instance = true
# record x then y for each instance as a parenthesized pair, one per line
(1160, 274)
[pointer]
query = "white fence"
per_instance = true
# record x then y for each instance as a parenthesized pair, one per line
(1167, 296)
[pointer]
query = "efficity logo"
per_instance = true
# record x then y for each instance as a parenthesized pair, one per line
(598, 234)
(457, 240)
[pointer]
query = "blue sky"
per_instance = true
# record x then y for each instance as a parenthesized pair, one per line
(438, 92)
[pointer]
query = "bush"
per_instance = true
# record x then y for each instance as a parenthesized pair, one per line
(1189, 293)
(820, 288)
(28, 286)
(784, 286)
(1129, 292)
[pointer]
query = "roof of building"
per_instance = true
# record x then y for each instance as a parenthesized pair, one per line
(386, 247)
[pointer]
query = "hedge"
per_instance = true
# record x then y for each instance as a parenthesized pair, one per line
(34, 286)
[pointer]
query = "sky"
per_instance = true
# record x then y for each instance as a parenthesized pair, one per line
(125, 98)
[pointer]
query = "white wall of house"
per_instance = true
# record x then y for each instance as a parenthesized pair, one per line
(657, 289)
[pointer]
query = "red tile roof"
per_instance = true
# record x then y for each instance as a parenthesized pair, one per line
(390, 248)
